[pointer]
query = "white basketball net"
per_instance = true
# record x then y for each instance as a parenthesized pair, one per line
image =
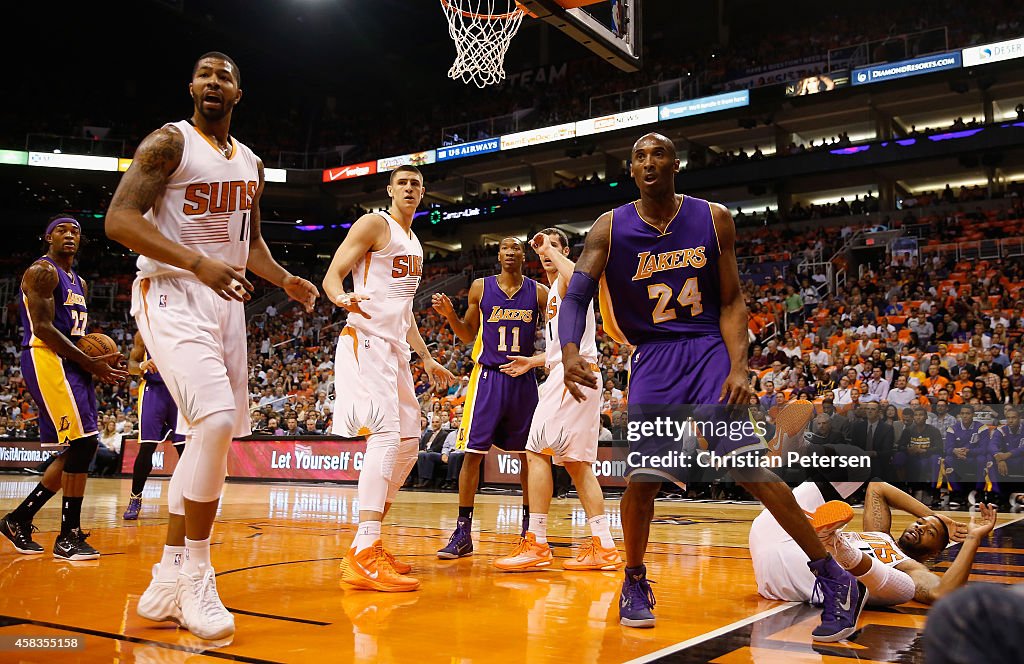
(482, 31)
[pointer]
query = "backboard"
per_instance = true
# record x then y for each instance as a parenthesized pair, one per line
(609, 28)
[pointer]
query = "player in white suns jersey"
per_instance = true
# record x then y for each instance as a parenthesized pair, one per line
(563, 429)
(891, 569)
(374, 393)
(189, 206)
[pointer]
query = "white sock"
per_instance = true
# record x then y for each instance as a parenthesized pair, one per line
(367, 535)
(197, 556)
(845, 553)
(539, 527)
(599, 527)
(171, 563)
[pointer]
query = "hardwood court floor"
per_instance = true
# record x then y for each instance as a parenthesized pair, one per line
(277, 547)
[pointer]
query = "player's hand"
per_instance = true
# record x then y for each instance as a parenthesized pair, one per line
(960, 452)
(541, 243)
(106, 368)
(736, 389)
(517, 365)
(577, 372)
(148, 365)
(986, 521)
(1001, 456)
(301, 291)
(227, 281)
(437, 374)
(1004, 470)
(350, 303)
(442, 304)
(444, 458)
(957, 530)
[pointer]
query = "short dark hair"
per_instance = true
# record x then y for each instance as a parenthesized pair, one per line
(562, 237)
(217, 55)
(405, 168)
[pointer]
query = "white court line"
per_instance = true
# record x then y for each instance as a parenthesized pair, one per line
(682, 645)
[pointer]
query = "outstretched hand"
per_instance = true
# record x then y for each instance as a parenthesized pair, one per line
(302, 291)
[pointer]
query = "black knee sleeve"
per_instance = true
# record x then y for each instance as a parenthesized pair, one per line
(79, 454)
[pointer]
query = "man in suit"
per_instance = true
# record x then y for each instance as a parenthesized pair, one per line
(875, 436)
(431, 443)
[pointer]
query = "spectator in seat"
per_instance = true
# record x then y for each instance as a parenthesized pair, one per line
(452, 456)
(918, 450)
(875, 436)
(313, 427)
(105, 461)
(431, 443)
(293, 428)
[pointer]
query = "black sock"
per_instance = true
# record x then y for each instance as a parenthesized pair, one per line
(526, 512)
(71, 516)
(466, 512)
(32, 504)
(640, 570)
(143, 467)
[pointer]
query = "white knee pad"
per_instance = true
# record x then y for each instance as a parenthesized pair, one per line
(175, 499)
(205, 461)
(887, 585)
(405, 459)
(379, 464)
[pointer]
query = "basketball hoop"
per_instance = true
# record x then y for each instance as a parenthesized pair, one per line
(482, 31)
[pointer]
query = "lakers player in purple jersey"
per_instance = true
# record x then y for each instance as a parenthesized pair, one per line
(501, 322)
(59, 377)
(671, 288)
(158, 421)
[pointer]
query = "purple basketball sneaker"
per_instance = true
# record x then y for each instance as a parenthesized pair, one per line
(134, 507)
(843, 599)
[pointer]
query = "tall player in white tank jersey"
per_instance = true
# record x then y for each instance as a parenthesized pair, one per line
(563, 429)
(189, 206)
(892, 569)
(374, 393)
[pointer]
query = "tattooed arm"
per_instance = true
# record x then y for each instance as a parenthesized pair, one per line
(142, 184)
(883, 497)
(38, 284)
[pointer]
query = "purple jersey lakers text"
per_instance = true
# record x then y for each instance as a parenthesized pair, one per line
(659, 286)
(508, 324)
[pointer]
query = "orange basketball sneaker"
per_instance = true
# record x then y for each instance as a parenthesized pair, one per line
(830, 518)
(528, 556)
(400, 567)
(789, 423)
(371, 569)
(593, 556)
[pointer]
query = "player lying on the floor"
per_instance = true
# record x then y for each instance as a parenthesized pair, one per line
(892, 570)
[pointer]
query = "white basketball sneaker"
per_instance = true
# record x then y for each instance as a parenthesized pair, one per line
(159, 602)
(202, 612)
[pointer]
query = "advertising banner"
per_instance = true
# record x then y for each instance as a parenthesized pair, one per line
(905, 68)
(350, 171)
(411, 159)
(996, 52)
(468, 149)
(524, 139)
(641, 116)
(703, 105)
(610, 467)
(18, 454)
(304, 458)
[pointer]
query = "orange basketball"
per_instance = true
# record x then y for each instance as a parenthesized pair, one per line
(96, 345)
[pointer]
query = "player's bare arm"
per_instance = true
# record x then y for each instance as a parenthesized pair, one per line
(436, 373)
(541, 243)
(38, 284)
(137, 356)
(262, 262)
(369, 233)
(733, 319)
(591, 263)
(929, 587)
(465, 328)
(881, 498)
(144, 181)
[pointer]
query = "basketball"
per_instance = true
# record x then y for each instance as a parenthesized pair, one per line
(97, 344)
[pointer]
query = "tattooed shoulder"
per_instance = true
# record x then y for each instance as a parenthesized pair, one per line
(41, 277)
(161, 150)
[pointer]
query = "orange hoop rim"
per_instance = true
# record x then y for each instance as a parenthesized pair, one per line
(520, 9)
